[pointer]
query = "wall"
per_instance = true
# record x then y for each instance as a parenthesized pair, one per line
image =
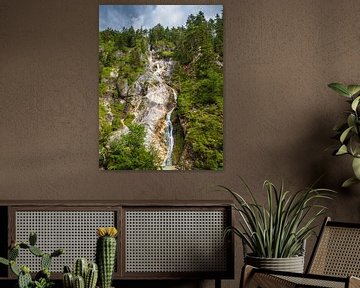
(279, 114)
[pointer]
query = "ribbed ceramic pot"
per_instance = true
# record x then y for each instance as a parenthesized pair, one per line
(291, 264)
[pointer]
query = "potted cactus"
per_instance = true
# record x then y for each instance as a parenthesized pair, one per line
(42, 278)
(84, 275)
(106, 254)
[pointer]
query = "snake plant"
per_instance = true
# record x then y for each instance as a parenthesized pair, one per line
(279, 228)
(348, 132)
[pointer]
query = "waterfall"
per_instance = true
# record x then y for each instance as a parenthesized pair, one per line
(169, 137)
(153, 103)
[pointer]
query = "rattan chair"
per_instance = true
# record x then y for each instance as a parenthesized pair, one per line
(334, 263)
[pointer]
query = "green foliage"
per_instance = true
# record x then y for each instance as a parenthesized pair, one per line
(279, 229)
(199, 78)
(128, 119)
(116, 123)
(179, 140)
(349, 131)
(167, 54)
(105, 128)
(43, 283)
(130, 153)
(206, 137)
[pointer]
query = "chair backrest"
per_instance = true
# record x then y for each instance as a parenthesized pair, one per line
(337, 251)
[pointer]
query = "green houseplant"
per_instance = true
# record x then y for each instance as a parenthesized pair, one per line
(348, 132)
(275, 233)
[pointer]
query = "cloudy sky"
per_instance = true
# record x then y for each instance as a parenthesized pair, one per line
(147, 16)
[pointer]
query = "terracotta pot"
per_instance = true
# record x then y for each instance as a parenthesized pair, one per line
(291, 264)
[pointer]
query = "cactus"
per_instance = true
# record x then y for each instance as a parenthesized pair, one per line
(68, 280)
(36, 251)
(24, 280)
(32, 238)
(57, 252)
(105, 254)
(87, 272)
(79, 282)
(80, 268)
(13, 253)
(45, 261)
(91, 276)
(23, 273)
(14, 268)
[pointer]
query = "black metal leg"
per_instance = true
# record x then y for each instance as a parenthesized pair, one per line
(217, 283)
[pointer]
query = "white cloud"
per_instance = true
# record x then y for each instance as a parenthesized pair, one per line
(147, 16)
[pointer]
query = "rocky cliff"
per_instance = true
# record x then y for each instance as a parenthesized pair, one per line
(150, 100)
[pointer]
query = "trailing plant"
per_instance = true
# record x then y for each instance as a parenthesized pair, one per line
(279, 229)
(348, 132)
(42, 278)
(85, 275)
(105, 254)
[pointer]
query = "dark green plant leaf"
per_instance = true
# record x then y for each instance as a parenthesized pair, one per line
(340, 88)
(353, 89)
(345, 134)
(342, 150)
(351, 120)
(356, 167)
(355, 103)
(349, 182)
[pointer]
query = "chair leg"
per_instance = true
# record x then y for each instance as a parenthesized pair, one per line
(354, 282)
(251, 279)
(246, 273)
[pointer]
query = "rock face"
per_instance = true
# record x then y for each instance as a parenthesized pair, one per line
(151, 101)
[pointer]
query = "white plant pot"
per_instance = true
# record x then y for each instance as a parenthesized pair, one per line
(291, 264)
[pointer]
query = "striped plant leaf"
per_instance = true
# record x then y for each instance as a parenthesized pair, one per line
(279, 228)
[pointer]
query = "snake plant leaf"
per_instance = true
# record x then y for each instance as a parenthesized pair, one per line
(341, 89)
(353, 89)
(345, 134)
(355, 103)
(342, 150)
(278, 228)
(349, 182)
(356, 167)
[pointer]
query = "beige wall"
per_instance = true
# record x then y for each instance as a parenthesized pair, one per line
(279, 54)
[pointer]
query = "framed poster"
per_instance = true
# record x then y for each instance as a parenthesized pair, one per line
(161, 87)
